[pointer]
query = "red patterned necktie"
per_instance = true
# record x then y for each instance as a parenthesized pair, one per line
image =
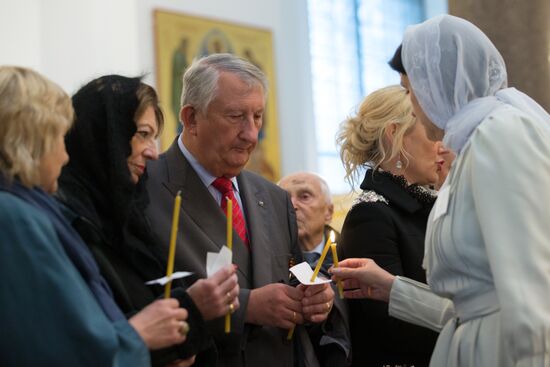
(225, 187)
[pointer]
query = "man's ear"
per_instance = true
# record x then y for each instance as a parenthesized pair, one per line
(328, 213)
(188, 116)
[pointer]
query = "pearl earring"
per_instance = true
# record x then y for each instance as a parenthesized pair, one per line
(399, 164)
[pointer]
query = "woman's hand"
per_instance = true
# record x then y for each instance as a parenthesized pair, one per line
(363, 278)
(217, 295)
(161, 324)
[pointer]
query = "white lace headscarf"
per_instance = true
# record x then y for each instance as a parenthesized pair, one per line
(458, 77)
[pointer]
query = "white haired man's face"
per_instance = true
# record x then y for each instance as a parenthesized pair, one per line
(312, 204)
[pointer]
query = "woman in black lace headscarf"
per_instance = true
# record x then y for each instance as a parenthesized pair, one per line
(388, 220)
(117, 122)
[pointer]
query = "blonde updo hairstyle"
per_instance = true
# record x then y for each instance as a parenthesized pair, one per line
(362, 139)
(33, 112)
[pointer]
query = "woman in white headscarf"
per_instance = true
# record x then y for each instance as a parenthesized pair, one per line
(487, 244)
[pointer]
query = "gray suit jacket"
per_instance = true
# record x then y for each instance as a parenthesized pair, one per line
(272, 230)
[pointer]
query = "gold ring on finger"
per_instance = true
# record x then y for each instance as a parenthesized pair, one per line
(368, 291)
(231, 308)
(184, 328)
(328, 306)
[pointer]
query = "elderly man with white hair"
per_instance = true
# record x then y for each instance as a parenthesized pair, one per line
(311, 199)
(310, 196)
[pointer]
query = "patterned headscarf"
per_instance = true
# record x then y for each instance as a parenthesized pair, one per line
(459, 77)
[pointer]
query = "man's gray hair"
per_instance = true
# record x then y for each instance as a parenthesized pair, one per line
(200, 81)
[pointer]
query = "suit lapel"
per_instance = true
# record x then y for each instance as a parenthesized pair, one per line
(202, 209)
(255, 202)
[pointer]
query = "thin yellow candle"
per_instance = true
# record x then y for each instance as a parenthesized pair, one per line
(172, 251)
(290, 333)
(335, 263)
(323, 255)
(229, 242)
(230, 224)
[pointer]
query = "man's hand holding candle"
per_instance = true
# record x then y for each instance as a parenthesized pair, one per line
(276, 304)
(317, 302)
(214, 296)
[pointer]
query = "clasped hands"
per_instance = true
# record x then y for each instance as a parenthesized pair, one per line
(281, 305)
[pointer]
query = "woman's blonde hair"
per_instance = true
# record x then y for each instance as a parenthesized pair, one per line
(362, 137)
(33, 112)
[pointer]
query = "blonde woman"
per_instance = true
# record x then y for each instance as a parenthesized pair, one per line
(387, 222)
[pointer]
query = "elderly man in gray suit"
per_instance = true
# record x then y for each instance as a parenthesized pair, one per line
(223, 100)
